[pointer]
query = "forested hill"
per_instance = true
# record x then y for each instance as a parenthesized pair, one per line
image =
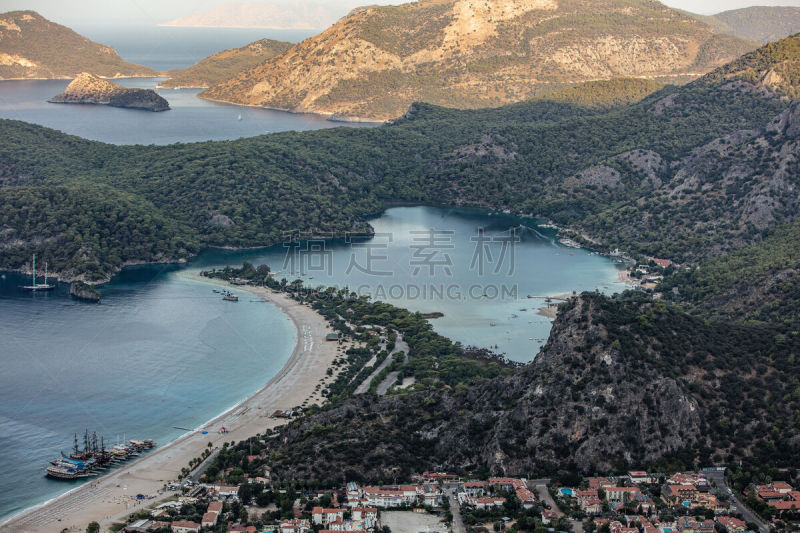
(462, 53)
(222, 65)
(666, 390)
(34, 47)
(629, 175)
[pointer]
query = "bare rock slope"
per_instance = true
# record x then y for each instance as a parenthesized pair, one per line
(465, 53)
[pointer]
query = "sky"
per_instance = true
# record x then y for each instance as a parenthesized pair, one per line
(115, 12)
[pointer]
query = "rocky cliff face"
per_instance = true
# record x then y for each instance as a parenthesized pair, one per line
(621, 382)
(33, 47)
(585, 401)
(462, 53)
(90, 89)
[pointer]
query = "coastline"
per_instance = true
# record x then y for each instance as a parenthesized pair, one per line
(111, 497)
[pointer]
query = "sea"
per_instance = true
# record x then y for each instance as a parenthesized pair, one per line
(190, 119)
(161, 354)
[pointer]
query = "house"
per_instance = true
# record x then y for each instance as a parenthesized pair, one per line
(332, 336)
(209, 519)
(688, 478)
(599, 483)
(239, 528)
(434, 477)
(687, 524)
(368, 515)
(214, 507)
(731, 524)
(489, 503)
(589, 501)
(526, 498)
(663, 263)
(507, 484)
(638, 477)
(296, 525)
(475, 489)
(431, 495)
(185, 526)
(390, 497)
(619, 496)
(226, 491)
(548, 516)
(679, 493)
(321, 516)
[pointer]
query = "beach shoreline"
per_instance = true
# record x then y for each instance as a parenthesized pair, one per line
(112, 496)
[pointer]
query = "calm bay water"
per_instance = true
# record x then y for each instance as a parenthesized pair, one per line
(158, 352)
(190, 119)
(431, 259)
(161, 352)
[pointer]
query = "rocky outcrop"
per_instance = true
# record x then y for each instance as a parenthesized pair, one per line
(579, 406)
(375, 62)
(90, 89)
(83, 291)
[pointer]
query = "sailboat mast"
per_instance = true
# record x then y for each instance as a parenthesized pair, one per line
(33, 274)
(45, 272)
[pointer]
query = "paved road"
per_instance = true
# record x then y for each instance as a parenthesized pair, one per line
(718, 476)
(458, 522)
(544, 495)
(194, 477)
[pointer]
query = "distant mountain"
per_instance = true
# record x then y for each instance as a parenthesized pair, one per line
(33, 47)
(277, 14)
(466, 54)
(90, 89)
(225, 64)
(761, 23)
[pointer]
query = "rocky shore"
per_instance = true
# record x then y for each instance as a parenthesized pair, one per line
(90, 89)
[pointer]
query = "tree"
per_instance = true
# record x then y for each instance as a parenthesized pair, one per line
(93, 527)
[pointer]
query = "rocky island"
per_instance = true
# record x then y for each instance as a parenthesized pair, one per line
(90, 89)
(83, 291)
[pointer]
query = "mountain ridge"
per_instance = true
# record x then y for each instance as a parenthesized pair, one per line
(761, 24)
(375, 62)
(32, 47)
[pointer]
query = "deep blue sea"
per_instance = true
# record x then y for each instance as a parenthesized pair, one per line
(161, 352)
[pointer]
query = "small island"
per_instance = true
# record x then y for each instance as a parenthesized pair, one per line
(83, 291)
(90, 89)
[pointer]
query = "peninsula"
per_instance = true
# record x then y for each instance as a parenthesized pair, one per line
(90, 89)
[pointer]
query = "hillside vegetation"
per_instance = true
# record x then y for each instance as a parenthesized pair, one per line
(633, 176)
(215, 68)
(667, 391)
(460, 53)
(33, 47)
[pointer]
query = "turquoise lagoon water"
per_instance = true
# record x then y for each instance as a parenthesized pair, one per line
(162, 352)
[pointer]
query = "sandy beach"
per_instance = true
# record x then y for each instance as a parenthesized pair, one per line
(113, 496)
